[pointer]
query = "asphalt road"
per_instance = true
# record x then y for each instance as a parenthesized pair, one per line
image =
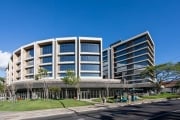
(167, 110)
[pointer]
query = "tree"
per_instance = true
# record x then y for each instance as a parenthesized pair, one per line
(2, 86)
(159, 73)
(177, 85)
(29, 86)
(42, 74)
(71, 79)
(54, 90)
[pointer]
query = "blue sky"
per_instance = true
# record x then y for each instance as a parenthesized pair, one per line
(25, 21)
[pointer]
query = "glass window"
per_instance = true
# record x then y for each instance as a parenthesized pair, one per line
(105, 53)
(29, 76)
(140, 64)
(140, 52)
(123, 68)
(65, 67)
(90, 58)
(105, 59)
(30, 53)
(119, 64)
(120, 58)
(141, 39)
(120, 47)
(90, 74)
(140, 58)
(30, 62)
(93, 67)
(67, 47)
(120, 53)
(47, 67)
(46, 49)
(140, 46)
(46, 59)
(90, 47)
(30, 70)
(64, 58)
(62, 74)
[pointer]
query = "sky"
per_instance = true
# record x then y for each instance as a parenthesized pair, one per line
(26, 21)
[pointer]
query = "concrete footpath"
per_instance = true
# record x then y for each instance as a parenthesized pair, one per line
(60, 111)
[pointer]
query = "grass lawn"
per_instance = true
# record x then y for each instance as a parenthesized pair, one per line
(28, 105)
(108, 100)
(162, 95)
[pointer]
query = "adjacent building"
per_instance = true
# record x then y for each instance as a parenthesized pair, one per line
(126, 59)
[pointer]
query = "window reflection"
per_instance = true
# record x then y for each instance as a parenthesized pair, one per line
(67, 47)
(90, 47)
(46, 49)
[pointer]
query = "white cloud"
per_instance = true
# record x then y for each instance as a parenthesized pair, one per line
(4, 59)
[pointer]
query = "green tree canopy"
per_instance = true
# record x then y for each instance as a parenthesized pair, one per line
(70, 78)
(41, 73)
(163, 72)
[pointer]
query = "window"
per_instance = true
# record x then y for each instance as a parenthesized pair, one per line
(90, 47)
(105, 53)
(140, 64)
(65, 67)
(46, 59)
(120, 53)
(64, 58)
(90, 58)
(90, 74)
(62, 74)
(29, 76)
(123, 68)
(30, 53)
(140, 58)
(30, 70)
(105, 59)
(120, 58)
(30, 62)
(119, 64)
(141, 39)
(140, 52)
(47, 67)
(120, 47)
(90, 67)
(67, 47)
(46, 49)
(140, 46)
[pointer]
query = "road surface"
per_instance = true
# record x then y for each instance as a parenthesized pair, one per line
(166, 110)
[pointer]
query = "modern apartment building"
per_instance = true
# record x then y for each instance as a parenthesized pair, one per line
(126, 59)
(82, 55)
(101, 72)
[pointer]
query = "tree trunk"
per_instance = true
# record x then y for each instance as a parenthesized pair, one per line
(28, 94)
(78, 93)
(66, 94)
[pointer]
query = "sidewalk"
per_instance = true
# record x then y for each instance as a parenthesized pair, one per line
(60, 111)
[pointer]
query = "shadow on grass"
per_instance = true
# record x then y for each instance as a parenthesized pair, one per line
(62, 104)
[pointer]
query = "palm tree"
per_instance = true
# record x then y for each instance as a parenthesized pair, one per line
(159, 73)
(71, 79)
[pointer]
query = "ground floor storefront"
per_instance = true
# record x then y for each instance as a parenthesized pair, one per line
(85, 89)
